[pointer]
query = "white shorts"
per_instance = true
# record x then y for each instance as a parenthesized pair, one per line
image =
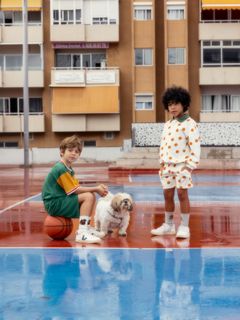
(173, 176)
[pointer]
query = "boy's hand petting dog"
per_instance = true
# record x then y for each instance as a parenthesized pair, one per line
(102, 190)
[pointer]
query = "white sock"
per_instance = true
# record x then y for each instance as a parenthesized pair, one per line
(185, 219)
(169, 218)
(84, 222)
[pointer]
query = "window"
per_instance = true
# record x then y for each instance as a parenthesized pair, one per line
(100, 20)
(176, 12)
(142, 12)
(143, 57)
(34, 62)
(144, 102)
(14, 105)
(221, 53)
(89, 143)
(221, 103)
(108, 135)
(8, 144)
(80, 60)
(67, 16)
(220, 15)
(13, 62)
(4, 105)
(176, 56)
(34, 17)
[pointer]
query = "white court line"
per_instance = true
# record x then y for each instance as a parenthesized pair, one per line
(18, 203)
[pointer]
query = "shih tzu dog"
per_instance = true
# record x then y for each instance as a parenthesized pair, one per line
(113, 212)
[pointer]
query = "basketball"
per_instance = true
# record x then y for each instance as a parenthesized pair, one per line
(58, 228)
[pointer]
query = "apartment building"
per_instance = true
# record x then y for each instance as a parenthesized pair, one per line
(97, 66)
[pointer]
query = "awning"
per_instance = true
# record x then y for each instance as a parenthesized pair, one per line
(85, 100)
(16, 5)
(220, 4)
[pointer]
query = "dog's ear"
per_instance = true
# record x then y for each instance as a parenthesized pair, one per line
(114, 203)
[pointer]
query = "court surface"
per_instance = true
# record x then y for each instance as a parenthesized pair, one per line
(133, 277)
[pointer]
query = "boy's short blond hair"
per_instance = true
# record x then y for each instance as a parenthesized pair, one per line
(71, 142)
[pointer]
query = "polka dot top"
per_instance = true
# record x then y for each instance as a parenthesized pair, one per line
(180, 142)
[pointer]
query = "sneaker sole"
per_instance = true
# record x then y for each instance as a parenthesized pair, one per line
(182, 236)
(163, 234)
(88, 242)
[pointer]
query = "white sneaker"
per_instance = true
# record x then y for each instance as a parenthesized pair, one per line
(164, 229)
(183, 232)
(94, 232)
(85, 236)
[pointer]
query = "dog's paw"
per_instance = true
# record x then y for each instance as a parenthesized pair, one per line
(122, 233)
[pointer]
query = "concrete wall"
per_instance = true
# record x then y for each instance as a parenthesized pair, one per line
(47, 155)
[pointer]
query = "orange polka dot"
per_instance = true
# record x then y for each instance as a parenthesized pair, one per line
(184, 150)
(192, 153)
(186, 157)
(170, 158)
(189, 185)
(180, 138)
(196, 140)
(192, 129)
(190, 143)
(177, 130)
(172, 139)
(175, 144)
(168, 182)
(183, 129)
(177, 151)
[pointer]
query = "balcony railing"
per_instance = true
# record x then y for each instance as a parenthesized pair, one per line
(76, 76)
(219, 21)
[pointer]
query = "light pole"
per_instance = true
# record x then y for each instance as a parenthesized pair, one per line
(25, 82)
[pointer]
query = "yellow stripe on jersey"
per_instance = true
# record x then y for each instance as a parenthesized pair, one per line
(68, 183)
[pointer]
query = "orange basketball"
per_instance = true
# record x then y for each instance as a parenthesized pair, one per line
(58, 228)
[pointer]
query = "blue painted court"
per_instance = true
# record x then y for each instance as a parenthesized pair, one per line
(117, 284)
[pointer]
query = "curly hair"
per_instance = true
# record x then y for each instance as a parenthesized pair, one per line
(71, 142)
(174, 95)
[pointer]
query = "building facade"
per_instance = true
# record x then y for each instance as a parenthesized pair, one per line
(97, 66)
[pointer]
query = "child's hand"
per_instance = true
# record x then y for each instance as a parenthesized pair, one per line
(102, 190)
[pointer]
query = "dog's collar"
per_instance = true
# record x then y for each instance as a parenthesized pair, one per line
(113, 215)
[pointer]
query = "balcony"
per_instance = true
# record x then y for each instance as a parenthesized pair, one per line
(219, 76)
(13, 34)
(84, 77)
(86, 123)
(84, 33)
(14, 123)
(14, 78)
(220, 117)
(217, 31)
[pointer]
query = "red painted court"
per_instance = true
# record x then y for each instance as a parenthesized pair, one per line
(214, 222)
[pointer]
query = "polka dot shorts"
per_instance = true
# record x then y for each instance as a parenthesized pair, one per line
(174, 176)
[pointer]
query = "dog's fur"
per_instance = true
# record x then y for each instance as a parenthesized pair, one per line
(113, 212)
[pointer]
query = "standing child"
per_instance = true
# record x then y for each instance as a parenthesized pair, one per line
(179, 155)
(64, 196)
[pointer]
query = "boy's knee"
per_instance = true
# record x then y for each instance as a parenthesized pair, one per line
(90, 196)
